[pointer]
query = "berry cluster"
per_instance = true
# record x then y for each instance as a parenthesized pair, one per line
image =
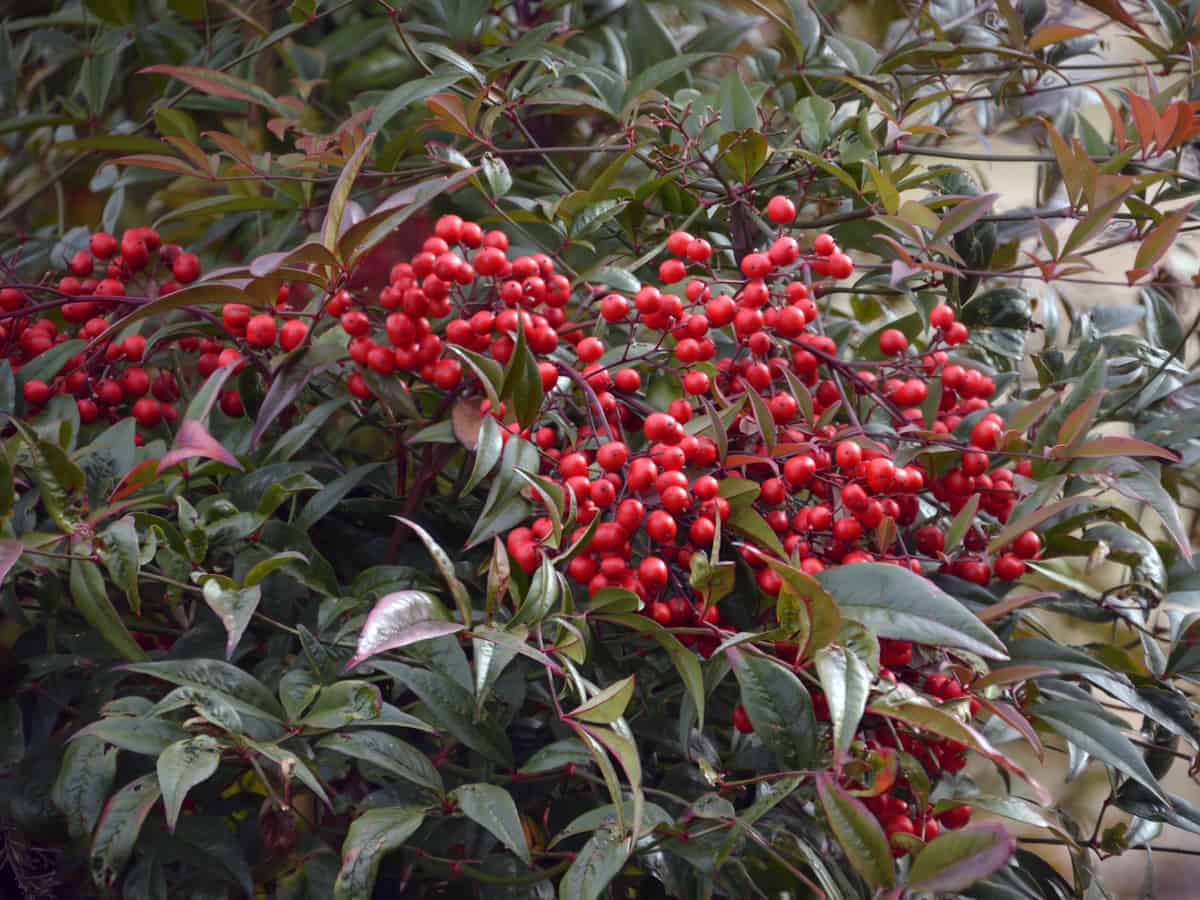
(109, 379)
(649, 484)
(714, 401)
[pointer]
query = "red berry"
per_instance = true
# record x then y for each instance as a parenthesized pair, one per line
(941, 316)
(955, 816)
(892, 342)
(186, 268)
(292, 334)
(741, 719)
(147, 412)
(260, 331)
(781, 210)
(35, 392)
(672, 271)
(677, 243)
(823, 244)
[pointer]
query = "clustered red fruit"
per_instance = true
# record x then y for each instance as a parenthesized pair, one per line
(109, 379)
(649, 485)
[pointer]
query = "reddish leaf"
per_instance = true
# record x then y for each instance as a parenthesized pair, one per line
(958, 859)
(1010, 605)
(1092, 224)
(1054, 34)
(1114, 116)
(968, 211)
(141, 475)
(10, 552)
(1032, 520)
(940, 722)
(1016, 721)
(1145, 119)
(1114, 10)
(449, 113)
(1116, 445)
(219, 84)
(194, 441)
(1159, 240)
(156, 161)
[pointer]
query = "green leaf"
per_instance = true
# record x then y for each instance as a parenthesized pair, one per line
(608, 705)
(492, 807)
(1032, 519)
(409, 93)
(45, 366)
(343, 703)
(389, 753)
(504, 509)
(1090, 384)
(895, 603)
(958, 528)
(830, 169)
(327, 499)
(661, 72)
(1090, 731)
(498, 177)
(964, 214)
(1143, 481)
(748, 521)
(91, 599)
(487, 453)
(858, 832)
(121, 558)
(144, 735)
(260, 570)
(364, 236)
(116, 12)
(226, 682)
(944, 723)
(399, 619)
(545, 589)
(234, 608)
(682, 658)
(372, 835)
(297, 766)
(555, 756)
(958, 859)
(85, 778)
(119, 826)
(60, 482)
(211, 207)
(522, 386)
(762, 415)
(181, 767)
(779, 707)
(1092, 223)
(452, 709)
(596, 864)
(739, 112)
(289, 380)
(446, 568)
(331, 228)
(846, 681)
(300, 436)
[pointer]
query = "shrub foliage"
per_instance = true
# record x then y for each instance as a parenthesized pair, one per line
(587, 449)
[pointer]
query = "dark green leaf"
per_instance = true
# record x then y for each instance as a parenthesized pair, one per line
(493, 808)
(181, 767)
(779, 707)
(858, 831)
(895, 603)
(373, 834)
(119, 826)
